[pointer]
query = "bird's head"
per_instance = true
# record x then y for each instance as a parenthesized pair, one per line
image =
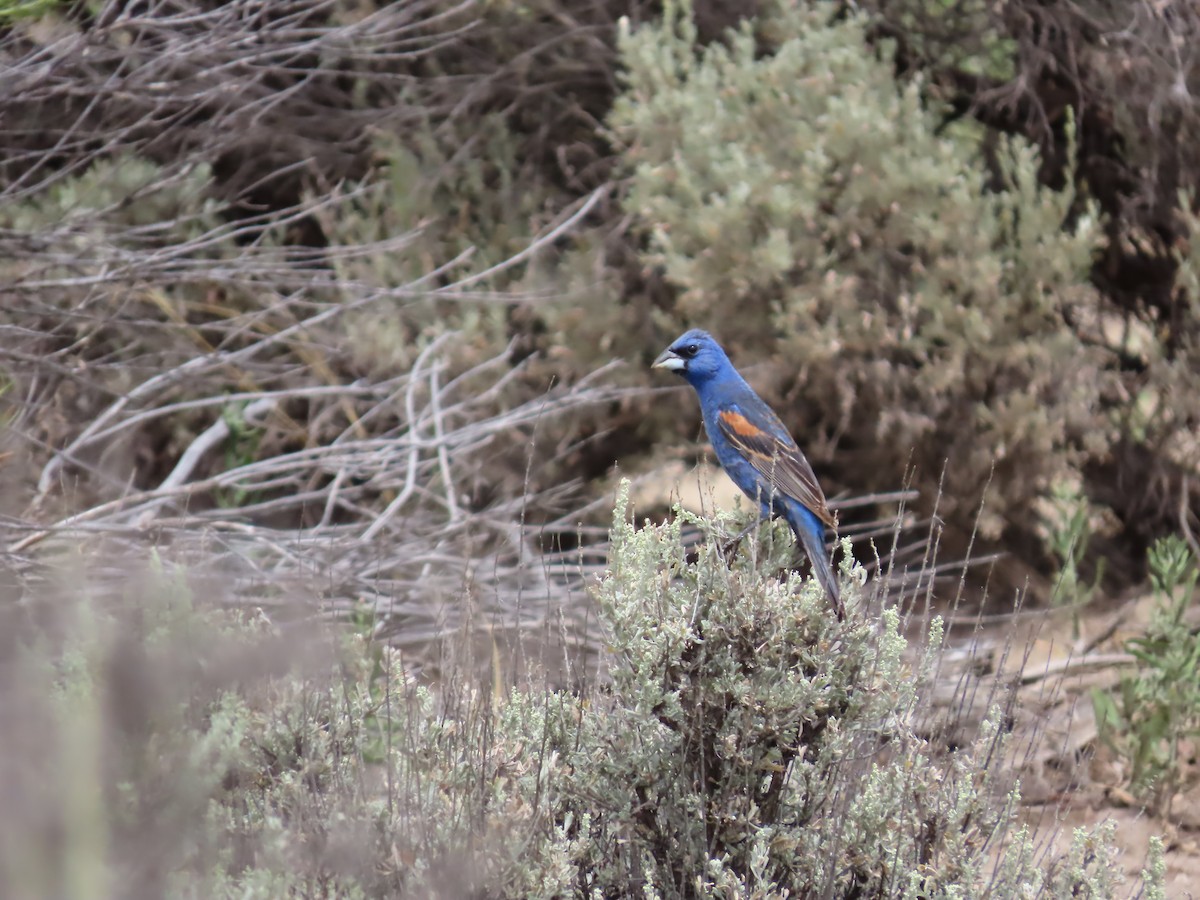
(695, 355)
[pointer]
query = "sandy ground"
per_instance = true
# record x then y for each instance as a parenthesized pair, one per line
(1069, 778)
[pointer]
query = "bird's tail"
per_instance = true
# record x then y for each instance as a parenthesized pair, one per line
(811, 533)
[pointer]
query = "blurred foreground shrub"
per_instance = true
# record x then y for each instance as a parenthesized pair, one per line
(748, 745)
(158, 746)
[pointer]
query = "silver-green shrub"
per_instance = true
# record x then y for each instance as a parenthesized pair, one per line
(752, 745)
(815, 212)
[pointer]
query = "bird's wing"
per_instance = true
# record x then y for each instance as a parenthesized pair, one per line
(778, 460)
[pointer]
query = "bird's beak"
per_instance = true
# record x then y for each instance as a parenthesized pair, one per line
(670, 360)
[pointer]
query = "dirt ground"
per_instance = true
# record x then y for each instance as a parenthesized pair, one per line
(1068, 777)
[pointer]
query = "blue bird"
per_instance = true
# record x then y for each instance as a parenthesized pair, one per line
(755, 449)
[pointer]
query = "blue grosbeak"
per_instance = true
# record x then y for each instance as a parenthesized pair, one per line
(755, 449)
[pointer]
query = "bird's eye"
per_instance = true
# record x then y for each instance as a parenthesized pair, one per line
(692, 349)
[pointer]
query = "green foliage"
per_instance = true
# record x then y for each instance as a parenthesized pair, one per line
(241, 447)
(102, 219)
(1187, 277)
(14, 10)
(475, 203)
(1069, 536)
(122, 190)
(1155, 872)
(1152, 710)
(466, 215)
(810, 208)
(951, 34)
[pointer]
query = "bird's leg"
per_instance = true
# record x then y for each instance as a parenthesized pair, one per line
(731, 545)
